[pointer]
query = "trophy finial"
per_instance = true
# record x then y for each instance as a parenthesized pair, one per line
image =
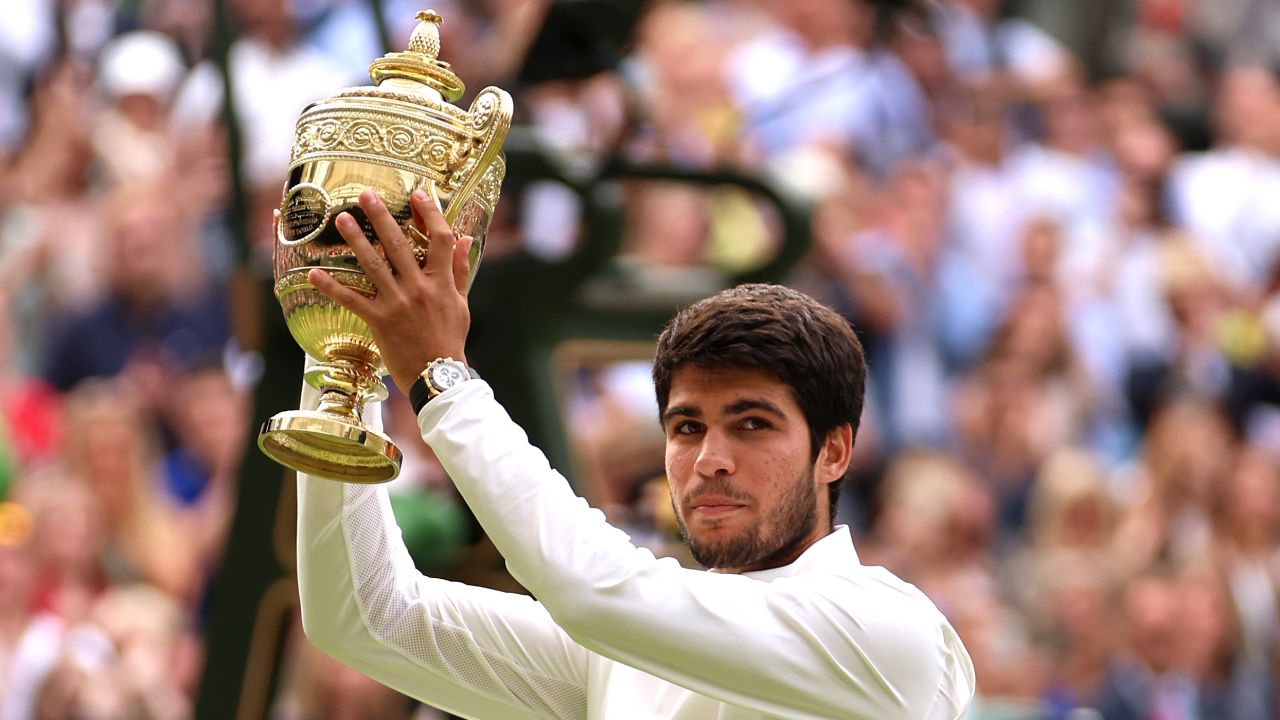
(426, 36)
(421, 63)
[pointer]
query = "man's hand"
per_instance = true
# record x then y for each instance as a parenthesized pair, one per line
(418, 313)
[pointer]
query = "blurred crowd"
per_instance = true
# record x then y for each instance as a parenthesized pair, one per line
(1053, 225)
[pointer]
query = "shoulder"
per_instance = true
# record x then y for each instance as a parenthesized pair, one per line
(864, 591)
(889, 612)
(875, 624)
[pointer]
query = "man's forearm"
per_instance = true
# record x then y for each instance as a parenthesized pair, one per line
(471, 651)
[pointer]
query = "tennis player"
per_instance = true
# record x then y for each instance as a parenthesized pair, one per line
(759, 392)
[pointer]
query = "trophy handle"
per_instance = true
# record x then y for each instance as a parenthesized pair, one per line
(490, 119)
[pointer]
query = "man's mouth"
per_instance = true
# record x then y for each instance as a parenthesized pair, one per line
(716, 506)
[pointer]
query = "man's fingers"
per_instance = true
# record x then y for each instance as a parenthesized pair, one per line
(394, 243)
(373, 263)
(440, 255)
(423, 205)
(433, 221)
(462, 264)
(339, 293)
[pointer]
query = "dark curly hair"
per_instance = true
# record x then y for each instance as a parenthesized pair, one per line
(805, 344)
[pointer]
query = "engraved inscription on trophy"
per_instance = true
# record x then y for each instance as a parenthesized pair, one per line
(305, 212)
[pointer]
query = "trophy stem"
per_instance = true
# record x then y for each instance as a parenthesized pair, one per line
(332, 441)
(346, 383)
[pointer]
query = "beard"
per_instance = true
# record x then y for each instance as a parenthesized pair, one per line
(760, 544)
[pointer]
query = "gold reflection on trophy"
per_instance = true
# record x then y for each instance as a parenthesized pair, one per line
(402, 134)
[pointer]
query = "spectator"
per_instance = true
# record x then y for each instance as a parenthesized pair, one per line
(49, 238)
(1219, 196)
(1027, 398)
(1077, 625)
(160, 313)
(1246, 518)
(68, 573)
(112, 452)
(934, 526)
(805, 80)
(1072, 519)
(892, 270)
(29, 639)
(1148, 678)
(122, 663)
(138, 75)
(1189, 450)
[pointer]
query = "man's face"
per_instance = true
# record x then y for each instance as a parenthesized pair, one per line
(143, 244)
(744, 487)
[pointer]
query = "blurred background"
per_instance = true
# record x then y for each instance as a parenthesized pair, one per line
(1055, 225)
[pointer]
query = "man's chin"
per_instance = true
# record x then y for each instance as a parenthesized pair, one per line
(719, 532)
(713, 550)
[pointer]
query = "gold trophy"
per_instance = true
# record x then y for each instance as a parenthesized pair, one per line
(402, 134)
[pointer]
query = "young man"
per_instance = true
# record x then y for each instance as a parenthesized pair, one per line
(760, 390)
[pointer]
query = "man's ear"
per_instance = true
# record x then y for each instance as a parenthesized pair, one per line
(835, 454)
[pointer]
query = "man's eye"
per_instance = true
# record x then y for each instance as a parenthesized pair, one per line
(755, 424)
(685, 428)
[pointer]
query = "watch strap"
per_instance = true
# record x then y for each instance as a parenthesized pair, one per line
(419, 394)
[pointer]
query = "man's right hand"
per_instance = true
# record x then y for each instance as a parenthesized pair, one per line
(419, 313)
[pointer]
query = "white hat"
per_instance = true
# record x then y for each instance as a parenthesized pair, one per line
(140, 62)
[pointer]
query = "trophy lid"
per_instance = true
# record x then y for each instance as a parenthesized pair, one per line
(420, 63)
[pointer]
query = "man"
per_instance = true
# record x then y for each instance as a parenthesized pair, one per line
(759, 391)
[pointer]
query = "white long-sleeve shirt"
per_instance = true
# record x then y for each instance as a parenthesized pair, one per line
(615, 633)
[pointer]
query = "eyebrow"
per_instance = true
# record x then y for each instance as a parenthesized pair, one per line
(680, 411)
(735, 408)
(752, 404)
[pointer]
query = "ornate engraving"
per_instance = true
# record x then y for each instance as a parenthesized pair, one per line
(384, 136)
(482, 112)
(403, 141)
(446, 109)
(490, 187)
(296, 282)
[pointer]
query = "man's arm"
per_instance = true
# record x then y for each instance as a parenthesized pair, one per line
(472, 651)
(867, 647)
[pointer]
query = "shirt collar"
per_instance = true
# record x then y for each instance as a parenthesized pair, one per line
(834, 550)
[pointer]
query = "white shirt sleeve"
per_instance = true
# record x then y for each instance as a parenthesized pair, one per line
(472, 651)
(858, 645)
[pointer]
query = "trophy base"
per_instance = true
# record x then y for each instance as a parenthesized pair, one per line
(329, 447)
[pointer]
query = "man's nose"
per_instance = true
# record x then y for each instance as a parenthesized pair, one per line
(715, 455)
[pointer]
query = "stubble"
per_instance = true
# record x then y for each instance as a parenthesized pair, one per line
(762, 542)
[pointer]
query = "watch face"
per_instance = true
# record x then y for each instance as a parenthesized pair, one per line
(445, 375)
